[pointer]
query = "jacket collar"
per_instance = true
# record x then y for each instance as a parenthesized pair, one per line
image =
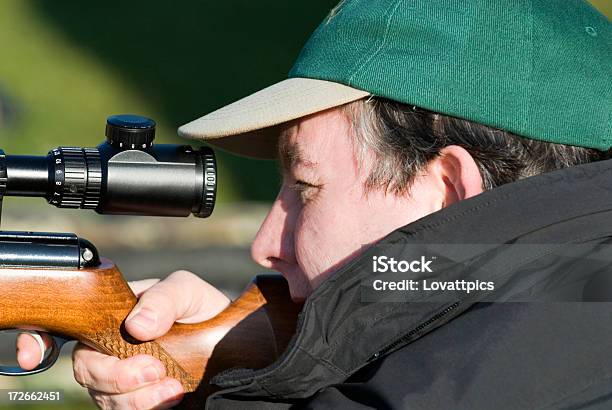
(338, 333)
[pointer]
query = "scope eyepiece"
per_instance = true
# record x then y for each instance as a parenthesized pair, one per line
(127, 174)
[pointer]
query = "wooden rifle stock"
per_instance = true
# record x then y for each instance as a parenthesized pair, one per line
(90, 305)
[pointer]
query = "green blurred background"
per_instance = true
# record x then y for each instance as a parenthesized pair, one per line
(66, 65)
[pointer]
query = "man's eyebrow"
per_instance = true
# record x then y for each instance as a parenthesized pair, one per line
(290, 154)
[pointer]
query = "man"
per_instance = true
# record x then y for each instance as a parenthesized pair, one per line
(406, 124)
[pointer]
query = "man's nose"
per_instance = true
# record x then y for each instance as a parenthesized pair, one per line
(273, 244)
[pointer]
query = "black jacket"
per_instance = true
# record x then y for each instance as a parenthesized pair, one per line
(545, 239)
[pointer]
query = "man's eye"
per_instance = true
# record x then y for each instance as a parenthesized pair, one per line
(305, 190)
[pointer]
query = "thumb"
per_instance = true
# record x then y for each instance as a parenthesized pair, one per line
(181, 296)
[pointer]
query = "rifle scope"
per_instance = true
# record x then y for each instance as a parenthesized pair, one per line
(127, 174)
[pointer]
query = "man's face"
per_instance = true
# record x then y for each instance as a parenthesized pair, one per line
(322, 216)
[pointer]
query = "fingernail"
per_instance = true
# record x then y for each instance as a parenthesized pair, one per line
(41, 345)
(133, 313)
(144, 317)
(149, 374)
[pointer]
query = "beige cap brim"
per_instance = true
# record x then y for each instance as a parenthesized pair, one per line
(249, 126)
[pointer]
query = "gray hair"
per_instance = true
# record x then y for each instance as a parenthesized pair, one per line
(405, 138)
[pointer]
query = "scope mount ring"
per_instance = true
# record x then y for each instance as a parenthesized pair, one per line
(3, 179)
(47, 362)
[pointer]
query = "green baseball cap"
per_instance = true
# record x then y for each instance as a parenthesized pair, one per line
(538, 68)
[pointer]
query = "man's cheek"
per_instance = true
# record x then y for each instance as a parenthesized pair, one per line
(311, 239)
(311, 259)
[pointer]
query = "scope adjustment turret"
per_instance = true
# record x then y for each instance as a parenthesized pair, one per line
(127, 131)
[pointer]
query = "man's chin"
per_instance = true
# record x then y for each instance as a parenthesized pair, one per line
(299, 293)
(299, 288)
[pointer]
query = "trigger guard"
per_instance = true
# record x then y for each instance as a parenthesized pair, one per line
(46, 362)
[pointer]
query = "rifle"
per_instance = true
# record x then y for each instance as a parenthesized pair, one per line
(58, 283)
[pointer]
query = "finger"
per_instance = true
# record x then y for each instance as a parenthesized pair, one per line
(140, 286)
(163, 395)
(181, 296)
(108, 374)
(31, 348)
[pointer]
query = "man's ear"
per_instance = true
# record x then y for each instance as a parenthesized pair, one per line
(459, 173)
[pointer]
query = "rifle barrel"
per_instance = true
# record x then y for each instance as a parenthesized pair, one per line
(27, 175)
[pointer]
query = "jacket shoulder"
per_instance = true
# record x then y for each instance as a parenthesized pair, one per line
(516, 355)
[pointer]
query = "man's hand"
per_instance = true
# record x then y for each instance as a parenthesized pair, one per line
(138, 382)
